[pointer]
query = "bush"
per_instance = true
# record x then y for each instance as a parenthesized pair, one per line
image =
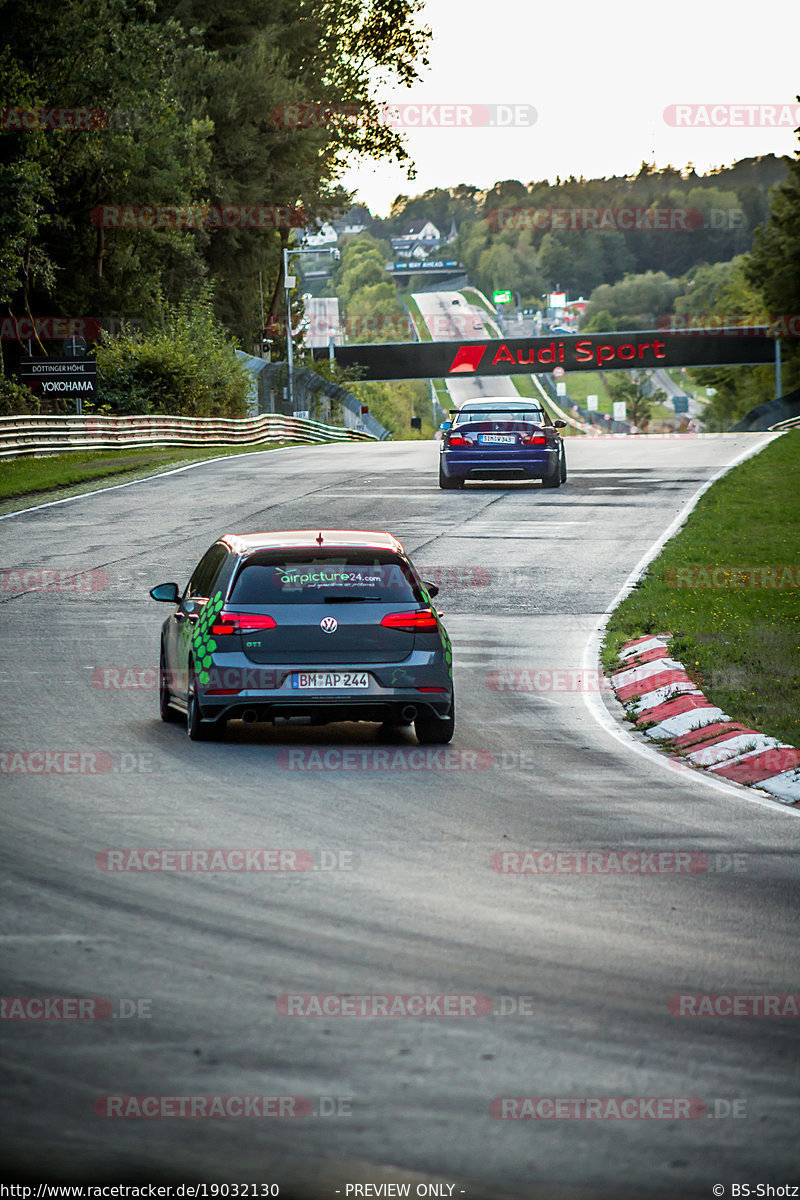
(393, 403)
(16, 399)
(187, 368)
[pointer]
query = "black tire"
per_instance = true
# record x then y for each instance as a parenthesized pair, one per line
(435, 731)
(168, 713)
(554, 480)
(446, 482)
(563, 465)
(199, 730)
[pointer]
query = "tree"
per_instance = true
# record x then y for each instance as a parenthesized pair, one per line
(187, 367)
(198, 98)
(636, 390)
(601, 321)
(637, 301)
(704, 286)
(292, 94)
(774, 264)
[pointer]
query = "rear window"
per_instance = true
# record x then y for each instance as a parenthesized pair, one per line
(531, 416)
(278, 578)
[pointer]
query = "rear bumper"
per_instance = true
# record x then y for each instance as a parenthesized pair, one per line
(267, 692)
(315, 712)
(471, 464)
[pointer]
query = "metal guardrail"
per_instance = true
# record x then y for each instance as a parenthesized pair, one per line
(50, 434)
(789, 423)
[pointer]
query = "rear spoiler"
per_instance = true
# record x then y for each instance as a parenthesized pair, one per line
(457, 412)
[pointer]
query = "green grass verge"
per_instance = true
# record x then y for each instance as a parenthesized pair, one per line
(474, 297)
(740, 643)
(442, 394)
(581, 384)
(56, 475)
(423, 332)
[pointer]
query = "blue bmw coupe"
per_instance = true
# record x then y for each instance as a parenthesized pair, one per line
(503, 438)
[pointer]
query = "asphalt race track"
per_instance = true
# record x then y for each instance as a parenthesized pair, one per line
(579, 968)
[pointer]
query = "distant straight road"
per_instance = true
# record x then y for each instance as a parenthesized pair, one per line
(578, 968)
(447, 321)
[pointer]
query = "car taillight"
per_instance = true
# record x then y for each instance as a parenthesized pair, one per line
(239, 622)
(535, 439)
(459, 441)
(421, 618)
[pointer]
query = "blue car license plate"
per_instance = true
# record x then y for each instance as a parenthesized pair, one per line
(507, 439)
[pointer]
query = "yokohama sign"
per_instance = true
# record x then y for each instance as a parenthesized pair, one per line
(70, 378)
(590, 352)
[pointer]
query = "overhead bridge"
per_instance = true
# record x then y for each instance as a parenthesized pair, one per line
(405, 269)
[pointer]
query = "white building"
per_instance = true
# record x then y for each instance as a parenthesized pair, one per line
(417, 240)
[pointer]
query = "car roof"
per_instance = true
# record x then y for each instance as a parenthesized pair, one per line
(308, 539)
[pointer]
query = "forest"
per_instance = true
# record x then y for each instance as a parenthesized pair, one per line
(157, 157)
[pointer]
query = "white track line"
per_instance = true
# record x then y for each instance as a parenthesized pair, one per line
(114, 487)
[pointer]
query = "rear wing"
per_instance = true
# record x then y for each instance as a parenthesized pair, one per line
(508, 414)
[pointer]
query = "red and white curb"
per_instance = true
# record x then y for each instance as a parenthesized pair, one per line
(659, 694)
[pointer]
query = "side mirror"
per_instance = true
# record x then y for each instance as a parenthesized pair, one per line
(445, 425)
(432, 588)
(560, 424)
(167, 593)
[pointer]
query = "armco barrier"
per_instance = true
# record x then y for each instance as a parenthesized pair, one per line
(774, 414)
(50, 435)
(789, 423)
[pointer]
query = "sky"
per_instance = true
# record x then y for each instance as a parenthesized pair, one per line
(599, 77)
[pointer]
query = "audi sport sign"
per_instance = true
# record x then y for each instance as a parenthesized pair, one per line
(579, 352)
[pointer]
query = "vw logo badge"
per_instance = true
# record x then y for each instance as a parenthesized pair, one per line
(329, 624)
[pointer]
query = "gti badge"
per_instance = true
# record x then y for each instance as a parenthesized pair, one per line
(329, 624)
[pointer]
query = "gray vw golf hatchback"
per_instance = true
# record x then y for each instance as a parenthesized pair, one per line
(329, 625)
